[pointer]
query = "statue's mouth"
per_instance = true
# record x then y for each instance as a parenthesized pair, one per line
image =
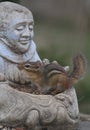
(24, 42)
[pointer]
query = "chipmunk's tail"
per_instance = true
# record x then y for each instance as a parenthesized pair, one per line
(79, 68)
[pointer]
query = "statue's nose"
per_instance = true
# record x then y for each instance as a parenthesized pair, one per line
(26, 32)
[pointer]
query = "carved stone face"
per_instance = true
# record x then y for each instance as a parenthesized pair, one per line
(20, 32)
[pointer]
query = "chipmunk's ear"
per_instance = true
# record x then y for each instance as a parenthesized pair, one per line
(79, 68)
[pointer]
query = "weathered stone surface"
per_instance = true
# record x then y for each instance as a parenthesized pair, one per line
(23, 109)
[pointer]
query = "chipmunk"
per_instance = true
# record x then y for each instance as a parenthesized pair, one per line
(52, 78)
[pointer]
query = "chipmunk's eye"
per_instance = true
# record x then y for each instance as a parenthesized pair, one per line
(27, 66)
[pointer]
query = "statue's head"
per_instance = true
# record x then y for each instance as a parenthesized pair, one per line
(16, 26)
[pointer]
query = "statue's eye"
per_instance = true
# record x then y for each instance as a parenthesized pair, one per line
(20, 28)
(27, 66)
(31, 27)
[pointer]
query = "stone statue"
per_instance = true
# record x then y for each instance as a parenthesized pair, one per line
(20, 109)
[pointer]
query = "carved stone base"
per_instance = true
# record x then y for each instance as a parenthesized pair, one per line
(18, 109)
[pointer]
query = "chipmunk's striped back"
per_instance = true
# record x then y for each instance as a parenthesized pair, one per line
(53, 69)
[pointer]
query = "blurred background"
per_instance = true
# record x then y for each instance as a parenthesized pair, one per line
(62, 29)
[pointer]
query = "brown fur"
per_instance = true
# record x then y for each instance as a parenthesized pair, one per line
(52, 78)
